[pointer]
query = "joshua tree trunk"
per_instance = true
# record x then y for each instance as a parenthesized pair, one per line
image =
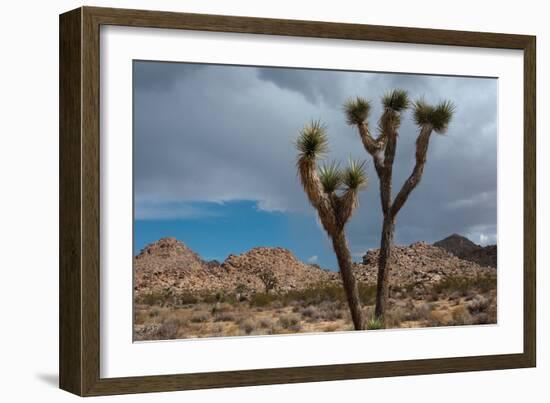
(384, 266)
(333, 193)
(350, 285)
(382, 149)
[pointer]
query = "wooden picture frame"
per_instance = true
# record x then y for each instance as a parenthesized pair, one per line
(80, 185)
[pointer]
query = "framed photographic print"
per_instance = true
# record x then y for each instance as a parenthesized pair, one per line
(249, 201)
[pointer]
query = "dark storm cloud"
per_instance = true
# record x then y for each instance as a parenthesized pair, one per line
(222, 133)
(314, 85)
(161, 76)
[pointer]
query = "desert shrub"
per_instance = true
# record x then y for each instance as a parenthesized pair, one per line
(310, 312)
(433, 295)
(217, 330)
(331, 327)
(265, 323)
(492, 313)
(140, 316)
(297, 308)
(154, 312)
(408, 290)
(240, 292)
(374, 324)
(167, 297)
(461, 316)
(481, 319)
(222, 307)
(166, 331)
(185, 298)
(315, 294)
(200, 316)
(218, 297)
(289, 321)
(224, 316)
(248, 326)
(419, 312)
(328, 291)
(395, 316)
(332, 312)
(478, 304)
(262, 299)
(455, 296)
(153, 298)
(367, 293)
(465, 285)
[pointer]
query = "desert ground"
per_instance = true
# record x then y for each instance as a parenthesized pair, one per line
(269, 291)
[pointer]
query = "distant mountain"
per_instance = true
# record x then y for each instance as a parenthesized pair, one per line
(465, 249)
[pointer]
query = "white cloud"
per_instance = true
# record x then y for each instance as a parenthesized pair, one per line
(313, 259)
(171, 211)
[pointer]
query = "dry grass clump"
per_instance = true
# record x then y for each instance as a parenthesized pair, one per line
(226, 316)
(167, 330)
(265, 323)
(394, 317)
(311, 313)
(461, 316)
(419, 312)
(478, 304)
(290, 321)
(200, 316)
(248, 326)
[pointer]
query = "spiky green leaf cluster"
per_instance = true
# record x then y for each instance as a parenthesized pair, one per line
(374, 324)
(312, 141)
(355, 177)
(422, 112)
(438, 117)
(396, 100)
(357, 110)
(331, 177)
(442, 115)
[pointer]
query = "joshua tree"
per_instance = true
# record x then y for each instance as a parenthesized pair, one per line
(429, 119)
(334, 194)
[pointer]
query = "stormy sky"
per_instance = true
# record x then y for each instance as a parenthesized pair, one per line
(214, 158)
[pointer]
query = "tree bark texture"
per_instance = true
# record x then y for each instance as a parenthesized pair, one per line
(384, 267)
(350, 285)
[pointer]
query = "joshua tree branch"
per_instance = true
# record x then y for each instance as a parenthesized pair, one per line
(422, 143)
(346, 204)
(311, 183)
(388, 128)
(372, 146)
(388, 125)
(376, 148)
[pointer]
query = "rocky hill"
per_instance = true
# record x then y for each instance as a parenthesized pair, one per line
(467, 250)
(290, 273)
(419, 263)
(170, 265)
